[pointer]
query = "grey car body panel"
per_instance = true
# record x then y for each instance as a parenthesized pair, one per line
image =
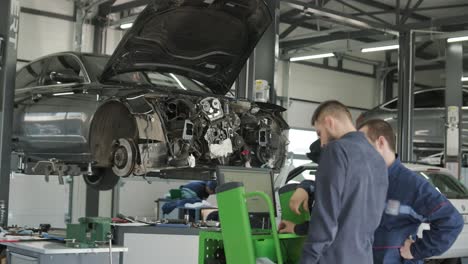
(428, 123)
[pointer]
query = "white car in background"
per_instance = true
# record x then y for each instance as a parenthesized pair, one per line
(440, 178)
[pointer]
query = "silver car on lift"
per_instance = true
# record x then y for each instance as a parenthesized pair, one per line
(157, 107)
(428, 120)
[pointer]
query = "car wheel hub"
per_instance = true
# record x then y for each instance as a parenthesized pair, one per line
(123, 158)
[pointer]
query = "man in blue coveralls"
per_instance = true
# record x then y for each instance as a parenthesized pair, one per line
(351, 186)
(411, 200)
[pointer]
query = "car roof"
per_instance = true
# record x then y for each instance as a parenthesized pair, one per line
(76, 53)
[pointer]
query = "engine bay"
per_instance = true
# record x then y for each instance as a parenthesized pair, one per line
(205, 132)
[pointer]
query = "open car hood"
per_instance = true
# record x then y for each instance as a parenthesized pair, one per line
(205, 40)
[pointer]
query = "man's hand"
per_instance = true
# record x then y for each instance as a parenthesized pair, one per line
(286, 227)
(299, 196)
(405, 251)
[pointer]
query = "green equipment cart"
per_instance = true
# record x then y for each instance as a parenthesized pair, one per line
(237, 243)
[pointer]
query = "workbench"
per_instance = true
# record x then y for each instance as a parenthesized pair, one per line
(49, 252)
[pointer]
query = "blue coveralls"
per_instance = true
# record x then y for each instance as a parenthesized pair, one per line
(412, 200)
(351, 187)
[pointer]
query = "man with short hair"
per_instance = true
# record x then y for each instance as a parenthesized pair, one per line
(351, 185)
(411, 200)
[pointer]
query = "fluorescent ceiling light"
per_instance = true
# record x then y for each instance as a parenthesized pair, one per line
(457, 39)
(381, 48)
(465, 79)
(311, 57)
(66, 93)
(126, 25)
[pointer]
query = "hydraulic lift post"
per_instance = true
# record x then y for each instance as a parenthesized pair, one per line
(453, 107)
(9, 24)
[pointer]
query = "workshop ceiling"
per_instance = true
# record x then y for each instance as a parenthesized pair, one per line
(302, 30)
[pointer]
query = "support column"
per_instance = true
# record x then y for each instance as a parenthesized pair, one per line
(285, 92)
(453, 104)
(9, 24)
(267, 52)
(78, 33)
(405, 96)
(389, 78)
(98, 39)
(92, 202)
(251, 71)
(241, 82)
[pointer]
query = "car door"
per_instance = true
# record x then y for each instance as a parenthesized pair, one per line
(27, 78)
(56, 123)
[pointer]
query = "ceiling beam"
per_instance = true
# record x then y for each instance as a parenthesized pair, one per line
(437, 22)
(362, 11)
(426, 8)
(301, 22)
(342, 18)
(410, 11)
(385, 7)
(299, 43)
(294, 12)
(287, 31)
(129, 5)
(358, 47)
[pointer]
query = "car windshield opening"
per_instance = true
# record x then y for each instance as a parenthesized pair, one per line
(96, 64)
(176, 81)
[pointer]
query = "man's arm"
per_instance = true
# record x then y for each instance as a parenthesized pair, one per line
(330, 182)
(445, 223)
(304, 195)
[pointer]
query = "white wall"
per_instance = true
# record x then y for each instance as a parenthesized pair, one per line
(316, 84)
(33, 201)
(300, 114)
(41, 35)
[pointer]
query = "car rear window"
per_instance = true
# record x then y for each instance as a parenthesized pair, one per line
(446, 184)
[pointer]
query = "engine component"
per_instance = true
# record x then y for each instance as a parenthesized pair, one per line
(215, 135)
(263, 137)
(150, 127)
(152, 155)
(240, 106)
(212, 108)
(123, 157)
(188, 130)
(221, 150)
